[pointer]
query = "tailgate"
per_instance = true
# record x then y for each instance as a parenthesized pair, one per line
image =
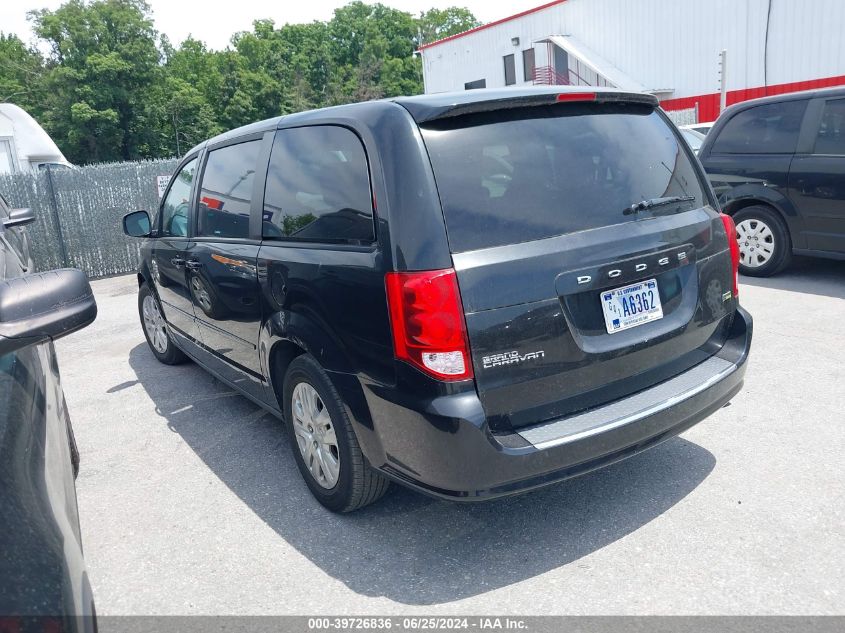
(538, 209)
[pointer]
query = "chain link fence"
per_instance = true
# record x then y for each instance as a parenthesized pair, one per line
(79, 212)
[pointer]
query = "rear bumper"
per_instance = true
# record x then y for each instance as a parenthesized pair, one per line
(443, 447)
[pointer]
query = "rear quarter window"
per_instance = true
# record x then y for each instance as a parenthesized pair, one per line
(830, 139)
(526, 174)
(318, 187)
(765, 129)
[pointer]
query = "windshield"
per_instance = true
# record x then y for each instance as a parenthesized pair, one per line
(525, 174)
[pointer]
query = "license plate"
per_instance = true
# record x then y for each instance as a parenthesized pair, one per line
(631, 306)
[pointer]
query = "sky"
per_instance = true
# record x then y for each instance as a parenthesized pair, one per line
(213, 25)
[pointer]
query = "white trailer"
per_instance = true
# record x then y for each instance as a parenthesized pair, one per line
(24, 145)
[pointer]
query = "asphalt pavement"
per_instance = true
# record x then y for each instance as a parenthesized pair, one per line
(191, 502)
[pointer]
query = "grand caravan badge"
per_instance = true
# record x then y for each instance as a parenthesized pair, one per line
(510, 358)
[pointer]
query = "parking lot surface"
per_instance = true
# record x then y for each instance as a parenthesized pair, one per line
(191, 502)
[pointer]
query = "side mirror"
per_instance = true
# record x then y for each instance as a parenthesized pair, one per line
(137, 224)
(44, 306)
(19, 217)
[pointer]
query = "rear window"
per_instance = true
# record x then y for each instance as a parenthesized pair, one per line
(528, 174)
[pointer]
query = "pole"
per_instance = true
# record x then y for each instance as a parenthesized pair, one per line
(723, 81)
(176, 132)
(55, 208)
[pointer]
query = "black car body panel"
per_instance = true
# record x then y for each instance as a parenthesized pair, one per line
(42, 570)
(548, 313)
(802, 180)
(449, 451)
(276, 291)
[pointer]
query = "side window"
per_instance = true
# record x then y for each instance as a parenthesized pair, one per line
(174, 209)
(765, 129)
(831, 135)
(226, 192)
(318, 187)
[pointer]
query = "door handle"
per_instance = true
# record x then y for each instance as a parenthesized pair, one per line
(193, 264)
(177, 261)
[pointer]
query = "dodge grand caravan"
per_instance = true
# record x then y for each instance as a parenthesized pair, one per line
(470, 294)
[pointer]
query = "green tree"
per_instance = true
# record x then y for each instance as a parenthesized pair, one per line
(436, 24)
(111, 89)
(363, 40)
(180, 102)
(103, 61)
(21, 74)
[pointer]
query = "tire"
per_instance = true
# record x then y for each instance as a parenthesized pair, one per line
(158, 338)
(347, 483)
(767, 248)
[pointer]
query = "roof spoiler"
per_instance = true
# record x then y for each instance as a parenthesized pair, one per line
(428, 113)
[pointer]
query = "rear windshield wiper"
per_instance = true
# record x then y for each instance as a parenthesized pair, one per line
(642, 205)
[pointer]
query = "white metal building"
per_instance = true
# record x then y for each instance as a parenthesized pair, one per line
(670, 48)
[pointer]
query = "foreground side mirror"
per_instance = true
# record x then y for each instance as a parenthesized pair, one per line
(19, 217)
(137, 224)
(44, 306)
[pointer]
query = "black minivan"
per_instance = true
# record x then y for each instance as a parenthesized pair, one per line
(777, 165)
(471, 294)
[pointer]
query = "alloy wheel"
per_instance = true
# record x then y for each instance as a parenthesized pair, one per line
(154, 324)
(315, 435)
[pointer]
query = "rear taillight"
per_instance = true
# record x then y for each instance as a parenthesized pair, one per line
(427, 321)
(733, 245)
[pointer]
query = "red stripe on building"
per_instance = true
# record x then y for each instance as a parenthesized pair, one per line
(708, 104)
(489, 24)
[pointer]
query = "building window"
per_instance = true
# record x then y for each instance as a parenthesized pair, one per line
(478, 83)
(528, 64)
(510, 70)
